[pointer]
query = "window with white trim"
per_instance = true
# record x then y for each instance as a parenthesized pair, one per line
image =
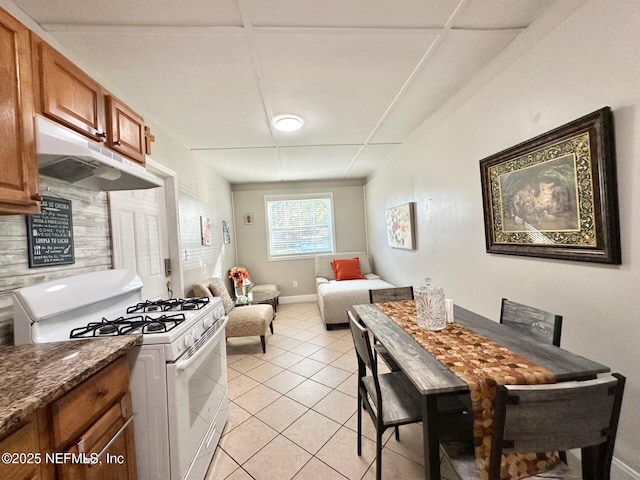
(299, 225)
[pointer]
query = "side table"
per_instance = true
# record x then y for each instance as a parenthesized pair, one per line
(259, 297)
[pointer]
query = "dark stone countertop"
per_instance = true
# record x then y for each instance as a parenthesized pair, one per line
(32, 376)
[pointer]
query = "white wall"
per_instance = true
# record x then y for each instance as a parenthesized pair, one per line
(588, 61)
(201, 193)
(350, 232)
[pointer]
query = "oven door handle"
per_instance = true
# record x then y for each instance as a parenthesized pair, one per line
(182, 365)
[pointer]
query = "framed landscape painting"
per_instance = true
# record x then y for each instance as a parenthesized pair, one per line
(555, 196)
(400, 226)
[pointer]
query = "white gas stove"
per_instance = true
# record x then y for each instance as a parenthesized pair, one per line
(178, 375)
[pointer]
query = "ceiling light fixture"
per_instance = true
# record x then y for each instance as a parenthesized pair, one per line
(287, 123)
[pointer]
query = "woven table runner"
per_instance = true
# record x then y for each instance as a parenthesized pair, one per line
(481, 364)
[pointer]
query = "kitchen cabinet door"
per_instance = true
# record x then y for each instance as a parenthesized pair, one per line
(108, 447)
(126, 130)
(22, 445)
(18, 161)
(69, 96)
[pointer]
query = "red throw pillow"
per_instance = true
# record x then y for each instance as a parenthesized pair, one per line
(348, 269)
(333, 267)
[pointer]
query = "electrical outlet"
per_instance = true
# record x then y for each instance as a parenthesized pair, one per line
(295, 284)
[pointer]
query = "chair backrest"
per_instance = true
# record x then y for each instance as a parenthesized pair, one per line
(394, 294)
(362, 342)
(560, 416)
(544, 326)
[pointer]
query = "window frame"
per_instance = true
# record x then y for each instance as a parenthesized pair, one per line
(299, 196)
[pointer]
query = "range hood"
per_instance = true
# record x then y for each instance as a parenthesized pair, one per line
(71, 157)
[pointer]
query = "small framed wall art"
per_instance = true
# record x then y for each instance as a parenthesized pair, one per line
(555, 196)
(226, 234)
(247, 218)
(401, 226)
(205, 230)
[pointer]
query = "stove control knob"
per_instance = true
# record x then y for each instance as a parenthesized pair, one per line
(208, 321)
(196, 334)
(188, 340)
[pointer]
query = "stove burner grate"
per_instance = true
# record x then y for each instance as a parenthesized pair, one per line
(172, 304)
(105, 328)
(161, 324)
(129, 325)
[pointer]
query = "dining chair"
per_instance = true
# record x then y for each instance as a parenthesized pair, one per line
(389, 398)
(542, 418)
(393, 294)
(543, 326)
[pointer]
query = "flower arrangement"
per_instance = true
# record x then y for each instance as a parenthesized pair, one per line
(238, 275)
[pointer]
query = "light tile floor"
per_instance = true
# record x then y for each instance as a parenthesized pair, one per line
(293, 409)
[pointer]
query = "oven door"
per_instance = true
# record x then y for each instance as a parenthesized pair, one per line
(197, 392)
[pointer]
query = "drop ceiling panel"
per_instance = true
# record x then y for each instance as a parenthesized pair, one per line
(353, 13)
(501, 13)
(316, 163)
(127, 12)
(245, 165)
(202, 87)
(340, 84)
(457, 59)
(369, 160)
(341, 65)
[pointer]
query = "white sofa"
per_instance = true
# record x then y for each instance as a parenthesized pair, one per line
(335, 298)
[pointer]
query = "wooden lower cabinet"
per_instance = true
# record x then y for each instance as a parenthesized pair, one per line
(22, 442)
(87, 434)
(93, 422)
(108, 447)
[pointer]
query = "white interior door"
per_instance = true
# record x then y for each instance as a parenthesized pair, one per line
(139, 225)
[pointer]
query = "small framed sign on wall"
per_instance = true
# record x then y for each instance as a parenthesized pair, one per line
(50, 234)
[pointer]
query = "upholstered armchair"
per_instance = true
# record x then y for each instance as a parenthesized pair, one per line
(244, 321)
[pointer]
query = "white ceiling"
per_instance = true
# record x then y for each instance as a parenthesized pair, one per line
(362, 73)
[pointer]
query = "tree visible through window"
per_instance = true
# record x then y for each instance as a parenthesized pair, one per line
(299, 225)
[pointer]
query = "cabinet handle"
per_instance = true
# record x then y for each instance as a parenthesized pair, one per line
(37, 197)
(101, 136)
(102, 391)
(117, 142)
(113, 439)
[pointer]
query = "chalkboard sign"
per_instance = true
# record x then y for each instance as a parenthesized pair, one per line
(50, 234)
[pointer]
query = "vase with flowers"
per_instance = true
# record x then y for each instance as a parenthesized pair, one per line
(240, 278)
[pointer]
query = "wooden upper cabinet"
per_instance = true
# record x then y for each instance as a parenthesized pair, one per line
(18, 161)
(126, 130)
(69, 96)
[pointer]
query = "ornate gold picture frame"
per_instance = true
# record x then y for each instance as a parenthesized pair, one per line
(555, 196)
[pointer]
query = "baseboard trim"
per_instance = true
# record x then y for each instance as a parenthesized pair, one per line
(622, 471)
(619, 469)
(298, 298)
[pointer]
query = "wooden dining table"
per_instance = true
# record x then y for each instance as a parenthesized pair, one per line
(432, 379)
